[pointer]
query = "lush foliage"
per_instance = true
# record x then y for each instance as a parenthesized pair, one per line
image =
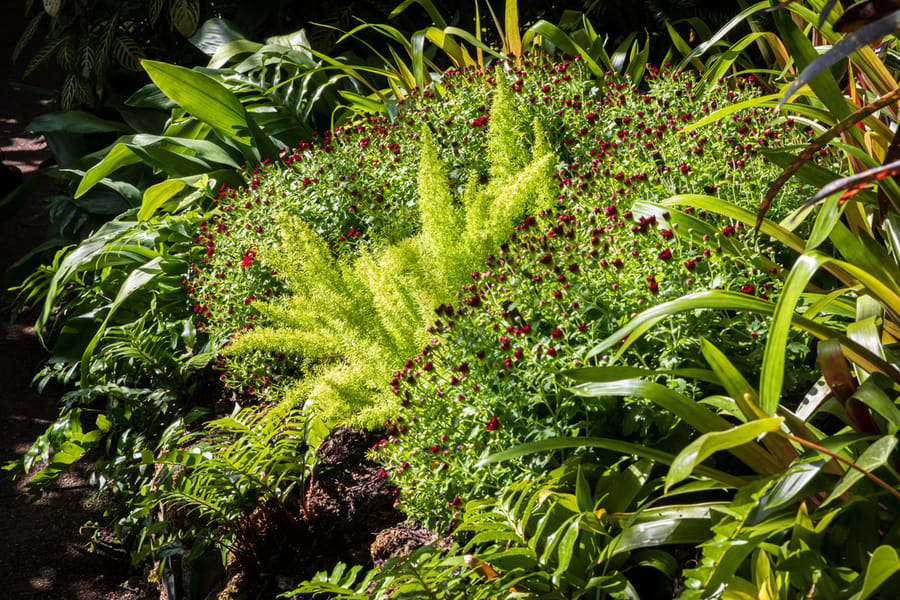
(617, 398)
(562, 282)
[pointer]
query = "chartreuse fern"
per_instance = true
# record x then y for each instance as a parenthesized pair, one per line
(361, 318)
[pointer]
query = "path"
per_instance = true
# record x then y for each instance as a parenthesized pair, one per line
(43, 553)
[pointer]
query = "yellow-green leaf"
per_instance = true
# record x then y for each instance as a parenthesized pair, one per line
(710, 443)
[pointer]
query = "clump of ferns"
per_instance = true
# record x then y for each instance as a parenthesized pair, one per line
(238, 483)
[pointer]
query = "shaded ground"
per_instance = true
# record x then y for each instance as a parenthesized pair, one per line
(44, 552)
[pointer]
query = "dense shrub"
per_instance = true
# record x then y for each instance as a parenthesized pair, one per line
(568, 276)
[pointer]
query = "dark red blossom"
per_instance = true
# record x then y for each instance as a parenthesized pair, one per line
(493, 424)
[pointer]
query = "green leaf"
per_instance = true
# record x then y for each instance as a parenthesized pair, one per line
(120, 156)
(626, 448)
(883, 564)
(772, 375)
(74, 121)
(157, 195)
(139, 277)
(653, 527)
(213, 34)
(843, 49)
(710, 443)
(203, 97)
(875, 456)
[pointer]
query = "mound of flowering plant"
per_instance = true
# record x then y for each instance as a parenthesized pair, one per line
(490, 377)
(566, 279)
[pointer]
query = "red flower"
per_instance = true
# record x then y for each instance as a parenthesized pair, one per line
(492, 425)
(665, 254)
(748, 289)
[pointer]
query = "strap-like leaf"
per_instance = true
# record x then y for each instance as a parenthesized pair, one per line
(843, 49)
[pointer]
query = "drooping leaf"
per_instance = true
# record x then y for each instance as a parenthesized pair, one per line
(875, 456)
(625, 448)
(709, 443)
(843, 49)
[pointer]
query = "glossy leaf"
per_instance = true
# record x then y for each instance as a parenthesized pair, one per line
(883, 564)
(843, 49)
(137, 279)
(876, 455)
(653, 527)
(710, 443)
(625, 448)
(158, 195)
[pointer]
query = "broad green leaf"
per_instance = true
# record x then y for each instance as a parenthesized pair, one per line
(710, 443)
(74, 121)
(81, 258)
(661, 526)
(210, 101)
(120, 156)
(213, 33)
(883, 564)
(203, 97)
(157, 195)
(872, 394)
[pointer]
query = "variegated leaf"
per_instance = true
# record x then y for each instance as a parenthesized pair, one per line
(127, 52)
(27, 34)
(155, 9)
(41, 56)
(66, 56)
(51, 7)
(185, 16)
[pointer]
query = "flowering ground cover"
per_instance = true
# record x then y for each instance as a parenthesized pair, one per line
(492, 371)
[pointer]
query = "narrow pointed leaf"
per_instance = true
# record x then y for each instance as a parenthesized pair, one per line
(626, 448)
(843, 49)
(710, 443)
(875, 456)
